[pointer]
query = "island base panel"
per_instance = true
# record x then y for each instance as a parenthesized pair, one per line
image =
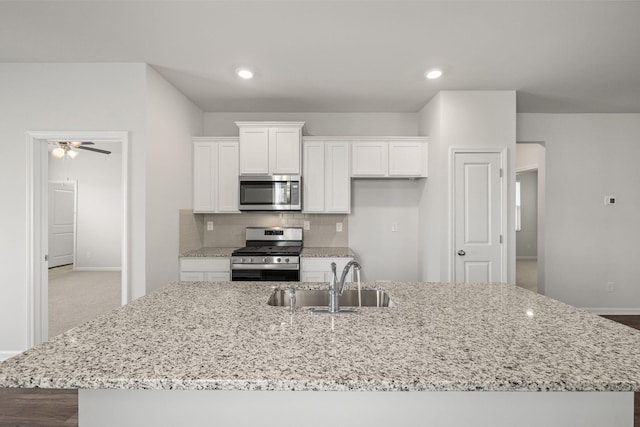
(124, 408)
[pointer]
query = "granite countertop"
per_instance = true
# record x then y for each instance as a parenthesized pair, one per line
(437, 337)
(208, 252)
(327, 252)
(337, 252)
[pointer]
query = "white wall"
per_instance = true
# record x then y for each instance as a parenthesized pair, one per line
(99, 195)
(376, 203)
(321, 124)
(66, 97)
(587, 244)
(462, 119)
(171, 122)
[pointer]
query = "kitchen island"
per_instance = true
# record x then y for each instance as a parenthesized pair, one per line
(443, 354)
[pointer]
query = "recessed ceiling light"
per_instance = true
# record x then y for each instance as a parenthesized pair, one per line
(245, 73)
(433, 74)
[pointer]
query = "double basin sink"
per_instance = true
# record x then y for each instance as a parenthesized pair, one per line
(320, 298)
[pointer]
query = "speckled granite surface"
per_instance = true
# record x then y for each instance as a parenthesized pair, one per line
(306, 252)
(208, 252)
(327, 252)
(437, 337)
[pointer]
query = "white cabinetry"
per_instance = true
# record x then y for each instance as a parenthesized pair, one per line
(389, 157)
(199, 269)
(319, 269)
(215, 174)
(270, 148)
(326, 181)
(370, 158)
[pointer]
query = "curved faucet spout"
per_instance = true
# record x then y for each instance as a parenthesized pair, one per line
(336, 287)
(345, 271)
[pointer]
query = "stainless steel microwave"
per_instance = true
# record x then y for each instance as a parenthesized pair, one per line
(271, 193)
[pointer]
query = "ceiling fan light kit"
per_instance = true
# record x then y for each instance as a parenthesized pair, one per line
(66, 147)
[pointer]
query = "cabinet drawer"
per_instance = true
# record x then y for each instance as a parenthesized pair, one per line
(218, 277)
(191, 276)
(312, 276)
(205, 264)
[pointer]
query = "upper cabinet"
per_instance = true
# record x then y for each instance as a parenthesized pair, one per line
(215, 174)
(270, 148)
(326, 181)
(389, 157)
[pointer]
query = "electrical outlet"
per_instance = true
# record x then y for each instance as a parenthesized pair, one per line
(306, 224)
(611, 287)
(209, 225)
(394, 226)
(338, 227)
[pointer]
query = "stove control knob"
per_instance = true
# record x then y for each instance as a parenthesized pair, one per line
(279, 260)
(286, 260)
(265, 260)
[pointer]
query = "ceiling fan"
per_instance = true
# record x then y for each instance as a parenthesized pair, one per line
(69, 148)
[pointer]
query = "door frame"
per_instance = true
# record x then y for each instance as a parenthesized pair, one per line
(504, 211)
(75, 213)
(37, 224)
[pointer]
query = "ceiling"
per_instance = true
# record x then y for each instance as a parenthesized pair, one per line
(349, 55)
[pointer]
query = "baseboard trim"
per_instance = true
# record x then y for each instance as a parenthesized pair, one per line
(97, 269)
(612, 311)
(4, 355)
(526, 257)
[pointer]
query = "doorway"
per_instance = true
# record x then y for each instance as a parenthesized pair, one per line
(38, 229)
(530, 186)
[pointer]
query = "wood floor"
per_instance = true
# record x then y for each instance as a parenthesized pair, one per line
(59, 408)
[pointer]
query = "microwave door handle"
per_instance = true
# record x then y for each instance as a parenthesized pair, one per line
(288, 195)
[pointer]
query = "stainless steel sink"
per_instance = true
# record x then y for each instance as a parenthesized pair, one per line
(319, 298)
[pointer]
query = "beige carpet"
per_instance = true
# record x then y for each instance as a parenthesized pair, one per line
(78, 296)
(527, 274)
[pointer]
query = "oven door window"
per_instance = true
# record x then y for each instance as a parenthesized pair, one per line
(240, 275)
(264, 193)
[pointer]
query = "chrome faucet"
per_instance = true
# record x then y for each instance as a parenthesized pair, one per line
(336, 287)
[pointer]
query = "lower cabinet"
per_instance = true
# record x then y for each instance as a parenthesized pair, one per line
(319, 269)
(200, 269)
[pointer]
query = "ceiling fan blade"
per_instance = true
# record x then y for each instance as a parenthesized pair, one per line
(97, 150)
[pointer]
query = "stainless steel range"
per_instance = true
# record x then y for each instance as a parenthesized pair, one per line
(270, 254)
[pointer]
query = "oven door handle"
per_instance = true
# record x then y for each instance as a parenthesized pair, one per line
(265, 266)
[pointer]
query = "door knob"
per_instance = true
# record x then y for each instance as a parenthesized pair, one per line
(461, 252)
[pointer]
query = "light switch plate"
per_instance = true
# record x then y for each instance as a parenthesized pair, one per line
(306, 224)
(394, 226)
(338, 227)
(209, 225)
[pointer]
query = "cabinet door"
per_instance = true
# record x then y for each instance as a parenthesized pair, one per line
(204, 177)
(228, 186)
(314, 177)
(369, 158)
(284, 151)
(337, 179)
(407, 158)
(254, 151)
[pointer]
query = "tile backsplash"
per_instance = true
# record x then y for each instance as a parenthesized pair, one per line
(229, 229)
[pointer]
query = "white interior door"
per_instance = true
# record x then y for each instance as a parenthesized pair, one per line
(62, 219)
(478, 217)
